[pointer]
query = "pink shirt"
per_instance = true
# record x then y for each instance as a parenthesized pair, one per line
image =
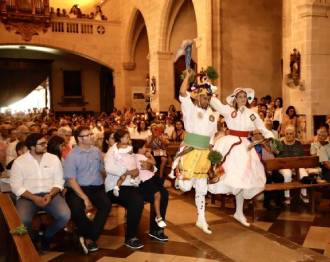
(143, 174)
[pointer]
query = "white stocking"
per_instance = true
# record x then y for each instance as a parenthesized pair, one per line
(200, 204)
(239, 205)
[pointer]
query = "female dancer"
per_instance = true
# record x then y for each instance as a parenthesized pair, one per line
(244, 174)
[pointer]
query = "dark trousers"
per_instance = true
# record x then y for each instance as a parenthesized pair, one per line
(326, 174)
(163, 204)
(278, 196)
(87, 228)
(131, 199)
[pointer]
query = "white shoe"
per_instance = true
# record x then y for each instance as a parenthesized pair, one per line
(203, 226)
(241, 219)
(171, 174)
(176, 184)
(116, 191)
(160, 222)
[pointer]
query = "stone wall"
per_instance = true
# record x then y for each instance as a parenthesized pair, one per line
(251, 46)
(306, 27)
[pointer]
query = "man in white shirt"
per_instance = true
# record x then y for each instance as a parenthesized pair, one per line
(200, 123)
(36, 180)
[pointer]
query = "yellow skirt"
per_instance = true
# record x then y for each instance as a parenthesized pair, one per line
(195, 164)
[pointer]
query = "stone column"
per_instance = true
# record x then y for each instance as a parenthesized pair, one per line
(306, 28)
(162, 69)
(204, 32)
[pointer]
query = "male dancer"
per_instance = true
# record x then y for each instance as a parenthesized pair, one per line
(200, 124)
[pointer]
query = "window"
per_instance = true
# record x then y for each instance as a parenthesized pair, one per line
(72, 83)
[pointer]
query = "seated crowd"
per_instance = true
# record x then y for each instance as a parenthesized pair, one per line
(75, 165)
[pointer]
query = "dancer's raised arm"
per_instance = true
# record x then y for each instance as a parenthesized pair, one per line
(222, 109)
(185, 84)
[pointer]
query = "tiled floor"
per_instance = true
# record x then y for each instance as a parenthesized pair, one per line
(277, 235)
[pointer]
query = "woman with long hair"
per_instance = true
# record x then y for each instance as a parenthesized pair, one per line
(289, 119)
(178, 134)
(141, 131)
(108, 141)
(278, 113)
(55, 146)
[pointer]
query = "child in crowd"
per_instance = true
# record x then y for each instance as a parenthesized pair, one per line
(123, 152)
(150, 185)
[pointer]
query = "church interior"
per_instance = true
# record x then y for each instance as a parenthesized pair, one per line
(115, 64)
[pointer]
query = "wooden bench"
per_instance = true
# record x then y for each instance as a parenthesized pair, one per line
(24, 249)
(292, 163)
(172, 148)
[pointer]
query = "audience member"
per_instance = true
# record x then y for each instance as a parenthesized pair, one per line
(37, 179)
(82, 171)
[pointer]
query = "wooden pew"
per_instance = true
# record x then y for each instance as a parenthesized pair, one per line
(172, 148)
(292, 163)
(25, 249)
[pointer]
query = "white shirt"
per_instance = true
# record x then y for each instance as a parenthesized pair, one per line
(29, 175)
(247, 120)
(278, 115)
(142, 135)
(114, 169)
(169, 129)
(198, 120)
(11, 151)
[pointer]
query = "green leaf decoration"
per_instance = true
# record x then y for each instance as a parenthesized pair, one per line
(20, 230)
(211, 73)
(215, 157)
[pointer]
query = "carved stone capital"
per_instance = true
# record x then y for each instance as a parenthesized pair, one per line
(129, 66)
(26, 30)
(316, 9)
(164, 55)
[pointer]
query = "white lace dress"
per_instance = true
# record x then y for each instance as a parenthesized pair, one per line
(243, 169)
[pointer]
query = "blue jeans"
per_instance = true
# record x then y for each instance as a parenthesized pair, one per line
(57, 208)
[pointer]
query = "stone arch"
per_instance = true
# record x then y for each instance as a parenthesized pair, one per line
(169, 15)
(136, 25)
(100, 60)
(136, 63)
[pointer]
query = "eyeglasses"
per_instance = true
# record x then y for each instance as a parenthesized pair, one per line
(42, 144)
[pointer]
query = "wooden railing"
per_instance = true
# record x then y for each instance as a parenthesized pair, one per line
(78, 26)
(24, 248)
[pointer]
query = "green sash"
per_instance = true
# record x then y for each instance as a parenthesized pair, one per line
(197, 141)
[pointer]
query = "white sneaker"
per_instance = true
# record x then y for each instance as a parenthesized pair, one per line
(171, 174)
(241, 219)
(116, 191)
(160, 222)
(202, 224)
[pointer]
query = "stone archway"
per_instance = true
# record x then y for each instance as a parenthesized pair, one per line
(66, 69)
(136, 63)
(179, 24)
